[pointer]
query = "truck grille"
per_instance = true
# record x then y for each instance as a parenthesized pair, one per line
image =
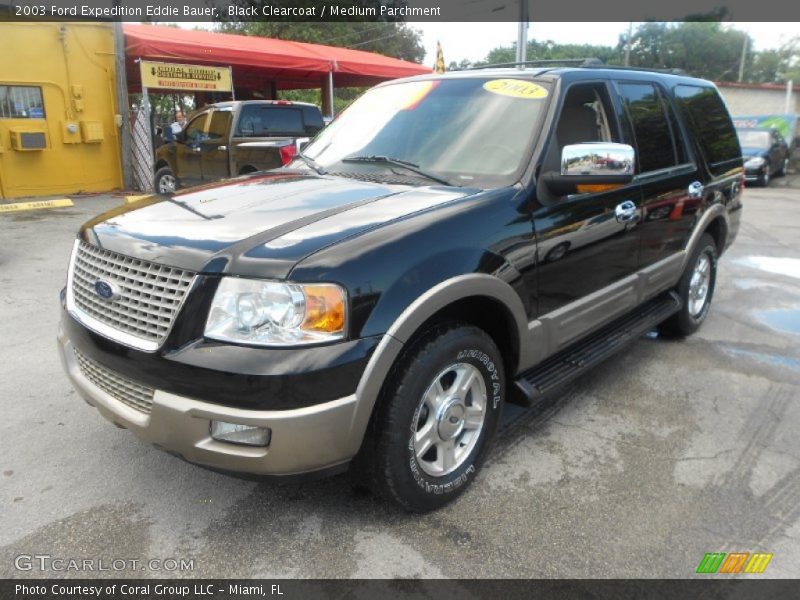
(148, 297)
(138, 397)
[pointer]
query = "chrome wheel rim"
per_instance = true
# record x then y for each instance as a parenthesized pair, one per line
(699, 285)
(449, 419)
(166, 184)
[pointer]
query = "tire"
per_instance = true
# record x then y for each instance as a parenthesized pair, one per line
(782, 171)
(165, 181)
(763, 181)
(557, 252)
(457, 434)
(695, 289)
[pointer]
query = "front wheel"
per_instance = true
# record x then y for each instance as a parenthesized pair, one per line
(437, 417)
(696, 288)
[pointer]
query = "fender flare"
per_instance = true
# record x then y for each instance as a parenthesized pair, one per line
(409, 321)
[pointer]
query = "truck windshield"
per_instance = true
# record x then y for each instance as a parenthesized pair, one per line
(471, 131)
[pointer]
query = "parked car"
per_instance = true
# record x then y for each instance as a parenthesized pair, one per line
(234, 138)
(376, 303)
(765, 154)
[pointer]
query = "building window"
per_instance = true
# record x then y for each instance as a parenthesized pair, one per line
(21, 102)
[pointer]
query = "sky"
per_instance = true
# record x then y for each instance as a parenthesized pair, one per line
(473, 41)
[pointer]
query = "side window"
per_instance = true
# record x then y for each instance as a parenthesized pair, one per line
(651, 128)
(712, 127)
(219, 125)
(21, 102)
(194, 130)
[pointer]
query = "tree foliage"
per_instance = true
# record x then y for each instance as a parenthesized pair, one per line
(702, 46)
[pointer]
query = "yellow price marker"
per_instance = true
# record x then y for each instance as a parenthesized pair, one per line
(516, 88)
(35, 205)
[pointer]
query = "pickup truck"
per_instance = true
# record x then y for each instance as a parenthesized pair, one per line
(450, 244)
(235, 138)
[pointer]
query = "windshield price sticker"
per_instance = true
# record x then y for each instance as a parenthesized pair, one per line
(516, 88)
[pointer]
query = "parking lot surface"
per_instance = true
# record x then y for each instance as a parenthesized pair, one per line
(667, 451)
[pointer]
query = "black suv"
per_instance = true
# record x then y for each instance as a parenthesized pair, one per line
(449, 244)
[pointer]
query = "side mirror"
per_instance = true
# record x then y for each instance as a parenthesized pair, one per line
(593, 163)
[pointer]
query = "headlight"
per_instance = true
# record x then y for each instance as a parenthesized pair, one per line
(755, 162)
(272, 313)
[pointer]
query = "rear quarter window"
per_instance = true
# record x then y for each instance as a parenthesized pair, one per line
(708, 119)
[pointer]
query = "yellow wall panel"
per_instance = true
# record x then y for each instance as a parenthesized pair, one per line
(73, 64)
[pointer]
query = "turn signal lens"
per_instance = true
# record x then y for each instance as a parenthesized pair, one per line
(324, 309)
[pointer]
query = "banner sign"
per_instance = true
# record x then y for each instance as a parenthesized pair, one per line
(188, 78)
(785, 124)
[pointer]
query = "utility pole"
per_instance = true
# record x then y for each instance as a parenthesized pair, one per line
(123, 116)
(522, 33)
(744, 55)
(628, 45)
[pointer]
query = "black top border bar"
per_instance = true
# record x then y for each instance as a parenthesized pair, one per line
(537, 11)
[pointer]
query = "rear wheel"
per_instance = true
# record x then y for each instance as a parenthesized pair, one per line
(437, 417)
(696, 289)
(165, 181)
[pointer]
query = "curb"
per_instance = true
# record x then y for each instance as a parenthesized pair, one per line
(35, 205)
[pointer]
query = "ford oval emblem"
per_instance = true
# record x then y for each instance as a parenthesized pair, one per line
(106, 290)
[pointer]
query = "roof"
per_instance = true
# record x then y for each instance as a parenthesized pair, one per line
(771, 87)
(257, 60)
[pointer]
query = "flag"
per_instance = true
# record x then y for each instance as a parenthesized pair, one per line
(439, 67)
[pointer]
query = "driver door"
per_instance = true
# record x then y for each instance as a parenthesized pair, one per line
(189, 150)
(587, 243)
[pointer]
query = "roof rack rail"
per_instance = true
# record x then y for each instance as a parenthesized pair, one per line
(601, 65)
(584, 63)
(579, 62)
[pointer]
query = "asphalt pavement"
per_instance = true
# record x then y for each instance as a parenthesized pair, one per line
(667, 451)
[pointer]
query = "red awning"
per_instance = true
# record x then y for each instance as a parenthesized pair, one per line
(257, 60)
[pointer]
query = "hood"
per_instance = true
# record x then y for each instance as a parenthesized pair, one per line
(751, 152)
(256, 225)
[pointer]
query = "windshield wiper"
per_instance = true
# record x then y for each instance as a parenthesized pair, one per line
(404, 164)
(312, 163)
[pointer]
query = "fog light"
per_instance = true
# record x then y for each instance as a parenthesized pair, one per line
(233, 433)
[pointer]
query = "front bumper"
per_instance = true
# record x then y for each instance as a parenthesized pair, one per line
(304, 440)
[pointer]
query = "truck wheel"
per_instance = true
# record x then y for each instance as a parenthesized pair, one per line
(165, 181)
(438, 415)
(696, 288)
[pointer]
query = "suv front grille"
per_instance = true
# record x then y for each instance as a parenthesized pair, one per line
(138, 397)
(147, 301)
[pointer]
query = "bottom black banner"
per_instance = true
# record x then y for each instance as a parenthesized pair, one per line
(224, 589)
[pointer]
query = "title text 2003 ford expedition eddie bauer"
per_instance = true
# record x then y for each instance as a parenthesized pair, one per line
(450, 243)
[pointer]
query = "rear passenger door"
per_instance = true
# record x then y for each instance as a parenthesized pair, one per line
(214, 148)
(670, 179)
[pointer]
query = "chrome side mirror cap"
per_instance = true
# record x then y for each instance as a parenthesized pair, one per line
(597, 159)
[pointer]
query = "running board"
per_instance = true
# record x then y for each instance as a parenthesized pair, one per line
(563, 367)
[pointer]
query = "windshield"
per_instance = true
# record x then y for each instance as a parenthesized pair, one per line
(470, 131)
(753, 139)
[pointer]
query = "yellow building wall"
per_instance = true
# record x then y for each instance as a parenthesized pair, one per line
(73, 63)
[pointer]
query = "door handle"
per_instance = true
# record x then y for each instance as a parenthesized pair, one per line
(222, 148)
(695, 190)
(625, 211)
